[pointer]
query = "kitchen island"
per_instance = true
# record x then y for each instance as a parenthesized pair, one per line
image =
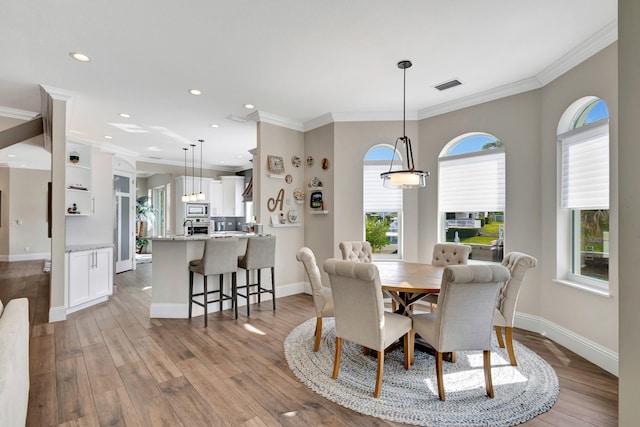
(170, 273)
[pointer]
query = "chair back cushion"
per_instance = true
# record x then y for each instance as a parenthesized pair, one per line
(356, 251)
(450, 254)
(518, 264)
(357, 302)
(464, 315)
(261, 253)
(308, 259)
(219, 257)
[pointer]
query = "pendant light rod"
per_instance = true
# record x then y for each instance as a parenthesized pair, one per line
(201, 195)
(185, 197)
(193, 196)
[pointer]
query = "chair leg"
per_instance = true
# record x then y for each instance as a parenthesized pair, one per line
(234, 293)
(486, 356)
(336, 360)
(407, 349)
(221, 293)
(509, 338)
(190, 292)
(248, 292)
(273, 287)
(499, 336)
(318, 333)
(439, 375)
(376, 392)
(259, 285)
(205, 301)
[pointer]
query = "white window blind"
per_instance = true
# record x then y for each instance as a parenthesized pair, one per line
(472, 182)
(376, 197)
(585, 167)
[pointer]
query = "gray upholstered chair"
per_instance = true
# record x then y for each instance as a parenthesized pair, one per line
(261, 253)
(463, 319)
(322, 299)
(356, 251)
(219, 257)
(360, 315)
(518, 264)
(447, 254)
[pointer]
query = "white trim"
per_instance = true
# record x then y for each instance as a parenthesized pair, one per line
(593, 352)
(17, 114)
(26, 257)
(57, 314)
(285, 122)
(87, 304)
(601, 291)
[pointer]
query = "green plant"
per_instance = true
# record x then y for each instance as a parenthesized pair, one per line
(140, 242)
(144, 213)
(376, 233)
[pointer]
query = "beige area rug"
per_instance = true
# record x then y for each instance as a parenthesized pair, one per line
(411, 397)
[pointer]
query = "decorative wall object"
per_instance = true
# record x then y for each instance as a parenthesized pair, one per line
(293, 215)
(310, 161)
(298, 194)
(272, 203)
(325, 163)
(288, 179)
(275, 164)
(296, 161)
(315, 182)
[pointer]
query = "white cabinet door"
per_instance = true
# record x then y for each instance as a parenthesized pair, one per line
(215, 192)
(232, 188)
(90, 276)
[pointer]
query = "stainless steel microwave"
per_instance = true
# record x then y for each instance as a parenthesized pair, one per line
(197, 210)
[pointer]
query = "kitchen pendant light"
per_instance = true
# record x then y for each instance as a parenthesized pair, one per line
(193, 197)
(410, 177)
(201, 195)
(185, 197)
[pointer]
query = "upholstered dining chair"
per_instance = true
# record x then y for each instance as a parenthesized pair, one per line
(219, 257)
(518, 264)
(322, 298)
(356, 251)
(360, 315)
(464, 317)
(260, 254)
(447, 254)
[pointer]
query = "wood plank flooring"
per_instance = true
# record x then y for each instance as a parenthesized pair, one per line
(111, 365)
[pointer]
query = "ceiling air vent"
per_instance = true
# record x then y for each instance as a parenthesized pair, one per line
(448, 85)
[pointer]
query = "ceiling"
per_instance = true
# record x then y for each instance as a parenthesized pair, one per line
(300, 63)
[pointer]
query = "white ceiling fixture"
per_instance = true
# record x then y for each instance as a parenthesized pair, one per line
(79, 56)
(195, 92)
(125, 115)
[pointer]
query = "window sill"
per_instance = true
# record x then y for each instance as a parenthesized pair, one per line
(583, 287)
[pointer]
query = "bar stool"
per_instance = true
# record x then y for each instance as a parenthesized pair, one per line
(219, 257)
(261, 253)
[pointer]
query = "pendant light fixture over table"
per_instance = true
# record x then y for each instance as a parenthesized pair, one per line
(201, 196)
(410, 177)
(185, 196)
(193, 197)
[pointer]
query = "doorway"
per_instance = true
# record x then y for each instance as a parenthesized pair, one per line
(124, 254)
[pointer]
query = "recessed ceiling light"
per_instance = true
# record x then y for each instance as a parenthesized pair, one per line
(221, 162)
(195, 92)
(240, 156)
(249, 106)
(11, 155)
(79, 56)
(213, 125)
(108, 137)
(125, 115)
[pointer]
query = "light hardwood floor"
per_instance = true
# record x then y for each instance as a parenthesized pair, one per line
(110, 365)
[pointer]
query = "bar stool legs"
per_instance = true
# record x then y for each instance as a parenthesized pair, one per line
(206, 292)
(259, 290)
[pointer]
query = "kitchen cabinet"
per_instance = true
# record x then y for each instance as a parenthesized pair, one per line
(232, 189)
(78, 197)
(215, 192)
(89, 277)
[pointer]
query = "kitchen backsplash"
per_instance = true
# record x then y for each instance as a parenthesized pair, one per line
(230, 223)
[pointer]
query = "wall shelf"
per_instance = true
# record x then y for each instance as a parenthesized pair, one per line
(275, 175)
(318, 212)
(297, 224)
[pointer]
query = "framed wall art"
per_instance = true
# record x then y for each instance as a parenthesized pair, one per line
(275, 165)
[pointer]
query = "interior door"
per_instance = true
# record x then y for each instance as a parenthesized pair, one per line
(124, 232)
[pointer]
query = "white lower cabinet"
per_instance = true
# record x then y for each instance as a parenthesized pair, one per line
(90, 277)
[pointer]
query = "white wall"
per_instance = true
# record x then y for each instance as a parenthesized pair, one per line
(4, 212)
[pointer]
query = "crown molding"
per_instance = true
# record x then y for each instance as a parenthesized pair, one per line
(285, 122)
(594, 44)
(57, 94)
(17, 114)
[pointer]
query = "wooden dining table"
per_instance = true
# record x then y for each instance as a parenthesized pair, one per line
(408, 282)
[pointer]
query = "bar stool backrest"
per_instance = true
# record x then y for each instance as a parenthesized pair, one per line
(220, 256)
(261, 253)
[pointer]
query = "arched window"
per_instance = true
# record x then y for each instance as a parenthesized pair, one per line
(471, 189)
(583, 135)
(382, 206)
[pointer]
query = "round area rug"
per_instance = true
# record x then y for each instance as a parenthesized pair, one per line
(411, 397)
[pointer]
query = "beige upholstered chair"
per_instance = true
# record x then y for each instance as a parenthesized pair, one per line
(447, 254)
(518, 264)
(219, 257)
(322, 299)
(261, 253)
(463, 319)
(356, 251)
(360, 315)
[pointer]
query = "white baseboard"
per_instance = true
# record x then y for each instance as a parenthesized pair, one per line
(57, 314)
(25, 257)
(593, 352)
(181, 311)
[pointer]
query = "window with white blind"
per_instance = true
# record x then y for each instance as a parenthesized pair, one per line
(471, 195)
(382, 206)
(584, 195)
